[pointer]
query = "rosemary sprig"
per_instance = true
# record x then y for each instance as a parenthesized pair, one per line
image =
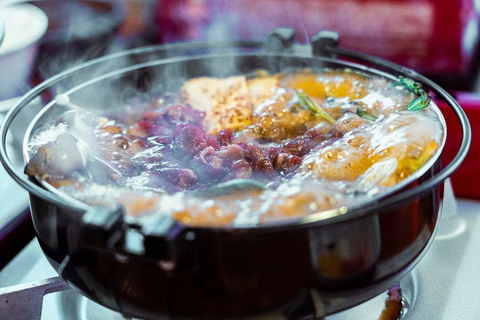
(416, 105)
(419, 103)
(313, 107)
(366, 115)
(408, 84)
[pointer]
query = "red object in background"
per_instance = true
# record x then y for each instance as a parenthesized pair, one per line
(433, 37)
(465, 179)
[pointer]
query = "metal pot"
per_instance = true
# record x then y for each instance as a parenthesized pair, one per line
(316, 265)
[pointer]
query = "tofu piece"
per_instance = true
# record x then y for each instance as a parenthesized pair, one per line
(228, 102)
(262, 89)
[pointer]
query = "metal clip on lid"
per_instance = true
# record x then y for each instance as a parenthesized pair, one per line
(280, 39)
(323, 41)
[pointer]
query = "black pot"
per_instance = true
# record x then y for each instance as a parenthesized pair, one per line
(315, 265)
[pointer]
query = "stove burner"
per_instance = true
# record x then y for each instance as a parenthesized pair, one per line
(372, 309)
(24, 301)
(60, 302)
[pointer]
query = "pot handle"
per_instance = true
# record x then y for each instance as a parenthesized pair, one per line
(280, 39)
(325, 43)
(103, 226)
(163, 237)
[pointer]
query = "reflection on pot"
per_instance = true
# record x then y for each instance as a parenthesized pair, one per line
(338, 258)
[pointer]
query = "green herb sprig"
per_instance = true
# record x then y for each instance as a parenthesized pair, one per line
(365, 115)
(232, 186)
(305, 100)
(419, 103)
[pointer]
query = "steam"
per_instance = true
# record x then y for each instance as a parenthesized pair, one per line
(81, 33)
(304, 29)
(130, 80)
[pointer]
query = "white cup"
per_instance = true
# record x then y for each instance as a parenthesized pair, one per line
(24, 24)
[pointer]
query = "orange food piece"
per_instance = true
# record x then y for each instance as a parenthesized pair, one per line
(210, 216)
(334, 84)
(277, 119)
(137, 205)
(302, 203)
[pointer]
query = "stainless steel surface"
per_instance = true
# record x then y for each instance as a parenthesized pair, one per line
(71, 305)
(25, 300)
(444, 285)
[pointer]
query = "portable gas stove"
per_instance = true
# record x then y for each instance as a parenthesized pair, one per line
(443, 286)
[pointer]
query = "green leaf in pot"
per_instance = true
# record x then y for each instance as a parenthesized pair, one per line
(408, 84)
(419, 103)
(230, 187)
(365, 115)
(313, 107)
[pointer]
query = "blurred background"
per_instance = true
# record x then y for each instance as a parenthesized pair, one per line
(436, 37)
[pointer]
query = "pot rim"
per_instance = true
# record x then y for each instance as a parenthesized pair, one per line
(382, 201)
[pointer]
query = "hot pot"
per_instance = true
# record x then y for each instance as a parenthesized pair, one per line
(315, 265)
